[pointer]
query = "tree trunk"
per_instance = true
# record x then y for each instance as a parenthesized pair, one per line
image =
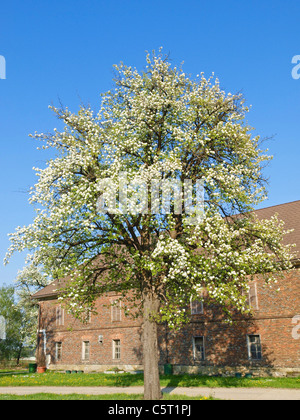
(152, 389)
(19, 354)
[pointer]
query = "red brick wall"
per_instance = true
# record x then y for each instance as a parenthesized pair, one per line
(225, 344)
(74, 332)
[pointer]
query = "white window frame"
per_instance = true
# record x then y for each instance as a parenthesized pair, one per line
(253, 287)
(60, 316)
(88, 316)
(58, 350)
(196, 358)
(86, 345)
(249, 347)
(116, 348)
(116, 310)
(195, 304)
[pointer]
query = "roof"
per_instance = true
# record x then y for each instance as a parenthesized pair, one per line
(289, 213)
(51, 290)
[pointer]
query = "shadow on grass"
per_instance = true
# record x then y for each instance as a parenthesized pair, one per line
(171, 381)
(126, 379)
(13, 372)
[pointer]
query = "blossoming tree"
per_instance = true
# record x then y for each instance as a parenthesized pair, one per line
(159, 125)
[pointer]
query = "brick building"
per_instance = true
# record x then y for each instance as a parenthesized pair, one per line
(267, 342)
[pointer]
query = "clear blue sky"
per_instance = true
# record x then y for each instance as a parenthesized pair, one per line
(64, 50)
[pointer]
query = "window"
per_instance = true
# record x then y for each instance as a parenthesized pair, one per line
(116, 349)
(116, 311)
(60, 315)
(88, 316)
(85, 350)
(197, 306)
(253, 301)
(58, 351)
(254, 347)
(199, 351)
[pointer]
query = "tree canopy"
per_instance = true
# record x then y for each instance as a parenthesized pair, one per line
(156, 125)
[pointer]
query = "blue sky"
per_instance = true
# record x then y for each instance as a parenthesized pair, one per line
(64, 51)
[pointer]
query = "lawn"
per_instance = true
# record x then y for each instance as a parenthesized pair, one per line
(126, 379)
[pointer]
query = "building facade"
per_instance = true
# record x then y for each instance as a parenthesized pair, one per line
(267, 342)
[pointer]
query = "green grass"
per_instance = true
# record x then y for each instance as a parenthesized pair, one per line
(126, 379)
(113, 397)
(229, 382)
